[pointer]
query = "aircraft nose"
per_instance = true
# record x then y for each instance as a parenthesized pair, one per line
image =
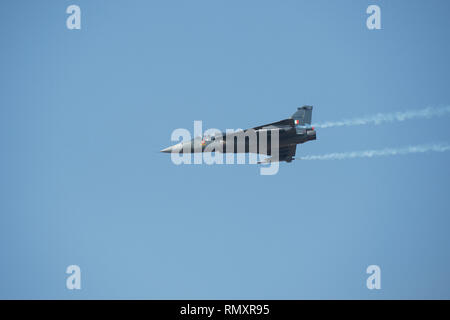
(167, 150)
(176, 148)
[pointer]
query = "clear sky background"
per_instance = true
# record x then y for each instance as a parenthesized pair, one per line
(84, 113)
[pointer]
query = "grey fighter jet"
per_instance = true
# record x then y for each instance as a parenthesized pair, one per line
(295, 130)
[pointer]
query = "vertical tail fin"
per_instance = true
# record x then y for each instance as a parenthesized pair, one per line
(303, 115)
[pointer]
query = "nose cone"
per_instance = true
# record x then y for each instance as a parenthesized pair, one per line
(176, 148)
(167, 150)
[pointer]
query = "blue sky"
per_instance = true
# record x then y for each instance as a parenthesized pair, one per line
(85, 112)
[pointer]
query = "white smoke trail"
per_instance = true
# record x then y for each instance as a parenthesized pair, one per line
(380, 118)
(441, 147)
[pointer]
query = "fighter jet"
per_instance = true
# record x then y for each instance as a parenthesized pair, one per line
(295, 130)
